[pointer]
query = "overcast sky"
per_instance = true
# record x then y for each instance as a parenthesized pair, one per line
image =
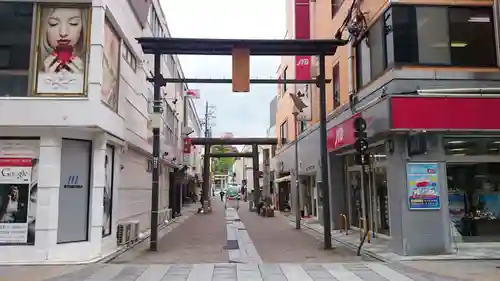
(243, 114)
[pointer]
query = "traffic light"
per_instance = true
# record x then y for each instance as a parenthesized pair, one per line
(361, 143)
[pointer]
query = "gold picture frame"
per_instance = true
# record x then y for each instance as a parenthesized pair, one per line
(87, 35)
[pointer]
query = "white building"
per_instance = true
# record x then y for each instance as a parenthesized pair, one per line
(74, 122)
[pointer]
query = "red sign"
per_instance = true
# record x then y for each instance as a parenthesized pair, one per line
(187, 145)
(341, 135)
(302, 31)
(445, 113)
(16, 162)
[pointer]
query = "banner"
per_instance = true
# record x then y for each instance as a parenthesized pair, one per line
(303, 63)
(16, 195)
(62, 54)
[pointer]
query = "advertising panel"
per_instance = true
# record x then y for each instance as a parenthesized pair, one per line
(18, 191)
(109, 163)
(110, 67)
(62, 50)
(423, 186)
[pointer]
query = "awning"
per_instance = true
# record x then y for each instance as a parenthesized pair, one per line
(283, 179)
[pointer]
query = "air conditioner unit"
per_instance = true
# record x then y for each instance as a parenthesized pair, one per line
(123, 233)
(134, 231)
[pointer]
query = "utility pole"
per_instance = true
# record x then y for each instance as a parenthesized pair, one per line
(209, 115)
(298, 107)
(158, 81)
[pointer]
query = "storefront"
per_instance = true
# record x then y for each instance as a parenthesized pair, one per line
(432, 177)
(57, 196)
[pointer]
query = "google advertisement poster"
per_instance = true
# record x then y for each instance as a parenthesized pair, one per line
(423, 186)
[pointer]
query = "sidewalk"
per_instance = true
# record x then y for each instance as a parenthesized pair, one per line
(473, 264)
(379, 247)
(199, 239)
(277, 242)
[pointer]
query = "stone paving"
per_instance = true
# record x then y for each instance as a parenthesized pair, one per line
(371, 271)
(199, 239)
(277, 241)
(231, 245)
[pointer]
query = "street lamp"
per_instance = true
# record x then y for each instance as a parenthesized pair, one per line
(299, 105)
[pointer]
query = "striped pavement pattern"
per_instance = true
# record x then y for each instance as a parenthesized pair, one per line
(371, 271)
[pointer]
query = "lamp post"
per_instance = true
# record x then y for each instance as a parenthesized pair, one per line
(296, 174)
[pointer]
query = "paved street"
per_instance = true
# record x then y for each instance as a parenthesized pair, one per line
(236, 245)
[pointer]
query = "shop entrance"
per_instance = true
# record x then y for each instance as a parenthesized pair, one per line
(474, 200)
(370, 188)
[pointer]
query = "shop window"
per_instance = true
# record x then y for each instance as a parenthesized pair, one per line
(471, 146)
(336, 85)
(457, 36)
(16, 20)
(474, 201)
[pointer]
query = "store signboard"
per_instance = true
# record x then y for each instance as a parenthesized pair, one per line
(423, 186)
(15, 187)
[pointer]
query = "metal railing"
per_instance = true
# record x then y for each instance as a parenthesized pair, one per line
(344, 223)
(363, 228)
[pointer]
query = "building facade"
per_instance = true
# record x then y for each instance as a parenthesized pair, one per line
(427, 87)
(75, 135)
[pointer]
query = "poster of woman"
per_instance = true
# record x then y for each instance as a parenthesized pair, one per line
(108, 191)
(62, 50)
(110, 67)
(15, 201)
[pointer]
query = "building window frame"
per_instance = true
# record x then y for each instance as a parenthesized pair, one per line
(336, 85)
(413, 58)
(28, 74)
(285, 86)
(284, 132)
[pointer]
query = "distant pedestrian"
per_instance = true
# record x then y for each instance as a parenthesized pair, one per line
(221, 195)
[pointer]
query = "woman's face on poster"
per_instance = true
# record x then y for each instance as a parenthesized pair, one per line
(64, 27)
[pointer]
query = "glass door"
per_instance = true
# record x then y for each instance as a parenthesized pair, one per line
(380, 200)
(354, 196)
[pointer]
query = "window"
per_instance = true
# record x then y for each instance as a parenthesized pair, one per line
(363, 68)
(284, 132)
(129, 57)
(404, 36)
(336, 4)
(336, 85)
(377, 50)
(457, 36)
(16, 21)
(302, 126)
(370, 55)
(284, 79)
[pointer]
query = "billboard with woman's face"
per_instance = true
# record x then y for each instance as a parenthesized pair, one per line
(110, 67)
(62, 50)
